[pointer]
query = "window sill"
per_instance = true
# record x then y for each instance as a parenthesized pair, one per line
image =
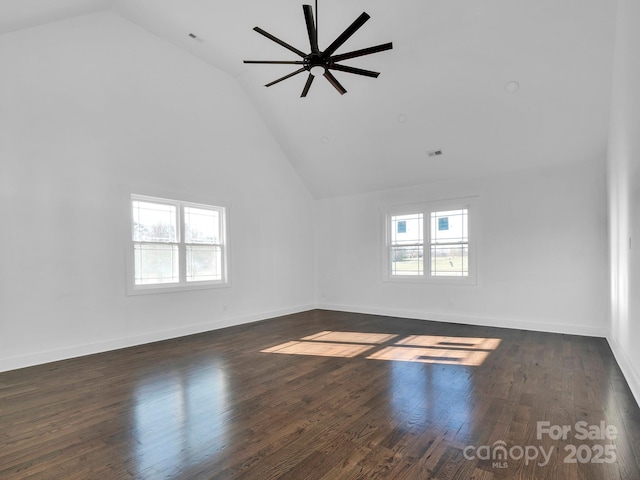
(424, 280)
(170, 288)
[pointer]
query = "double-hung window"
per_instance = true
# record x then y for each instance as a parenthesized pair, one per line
(449, 243)
(430, 242)
(406, 248)
(176, 245)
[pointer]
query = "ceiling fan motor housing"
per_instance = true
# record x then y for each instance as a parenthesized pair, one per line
(314, 60)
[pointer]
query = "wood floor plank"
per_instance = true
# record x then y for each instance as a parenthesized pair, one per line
(322, 395)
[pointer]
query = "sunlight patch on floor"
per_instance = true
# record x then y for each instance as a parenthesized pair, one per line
(351, 337)
(322, 349)
(472, 343)
(431, 355)
(468, 351)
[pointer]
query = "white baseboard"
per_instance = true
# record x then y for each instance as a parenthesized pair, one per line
(519, 324)
(12, 363)
(631, 375)
(22, 361)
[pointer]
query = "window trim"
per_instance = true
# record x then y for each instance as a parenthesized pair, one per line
(426, 208)
(182, 285)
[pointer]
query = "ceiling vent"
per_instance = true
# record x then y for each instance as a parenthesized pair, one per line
(434, 153)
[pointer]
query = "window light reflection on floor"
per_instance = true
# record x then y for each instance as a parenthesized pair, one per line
(468, 358)
(471, 343)
(351, 337)
(467, 351)
(322, 349)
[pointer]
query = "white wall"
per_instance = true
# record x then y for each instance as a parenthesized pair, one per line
(542, 253)
(94, 106)
(624, 196)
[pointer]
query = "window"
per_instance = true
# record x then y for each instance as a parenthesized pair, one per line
(176, 245)
(449, 245)
(429, 242)
(407, 244)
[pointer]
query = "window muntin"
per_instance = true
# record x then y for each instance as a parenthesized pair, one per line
(204, 263)
(429, 242)
(176, 245)
(154, 222)
(202, 226)
(156, 264)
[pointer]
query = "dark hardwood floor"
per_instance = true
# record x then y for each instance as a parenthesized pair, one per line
(327, 395)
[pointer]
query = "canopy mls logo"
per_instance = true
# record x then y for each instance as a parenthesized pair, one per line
(500, 455)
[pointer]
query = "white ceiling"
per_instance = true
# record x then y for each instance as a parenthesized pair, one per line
(441, 87)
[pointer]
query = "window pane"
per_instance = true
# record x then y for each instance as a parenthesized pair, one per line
(406, 229)
(204, 263)
(201, 226)
(155, 264)
(450, 260)
(407, 260)
(449, 226)
(154, 222)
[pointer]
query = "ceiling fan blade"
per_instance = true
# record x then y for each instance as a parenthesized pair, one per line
(344, 36)
(364, 51)
(311, 28)
(284, 62)
(307, 85)
(334, 81)
(280, 42)
(285, 77)
(357, 71)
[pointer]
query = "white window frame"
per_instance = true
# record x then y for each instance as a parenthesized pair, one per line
(426, 209)
(182, 284)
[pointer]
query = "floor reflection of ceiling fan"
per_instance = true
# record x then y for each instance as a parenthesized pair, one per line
(321, 62)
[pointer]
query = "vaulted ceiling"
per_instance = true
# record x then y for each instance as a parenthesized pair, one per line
(446, 85)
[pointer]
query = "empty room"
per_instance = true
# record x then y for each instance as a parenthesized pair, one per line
(319, 239)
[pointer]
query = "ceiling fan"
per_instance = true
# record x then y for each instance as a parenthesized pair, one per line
(322, 62)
